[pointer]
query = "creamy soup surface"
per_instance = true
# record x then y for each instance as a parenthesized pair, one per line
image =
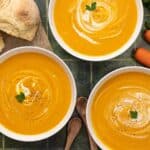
(120, 112)
(95, 30)
(46, 89)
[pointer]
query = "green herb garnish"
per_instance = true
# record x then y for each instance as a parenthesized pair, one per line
(20, 97)
(133, 114)
(92, 7)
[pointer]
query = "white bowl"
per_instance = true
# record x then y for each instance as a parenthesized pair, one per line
(118, 52)
(95, 90)
(37, 137)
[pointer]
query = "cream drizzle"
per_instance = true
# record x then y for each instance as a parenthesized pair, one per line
(137, 100)
(38, 93)
(94, 31)
(20, 87)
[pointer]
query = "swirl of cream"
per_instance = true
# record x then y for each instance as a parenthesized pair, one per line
(32, 91)
(86, 20)
(91, 25)
(136, 101)
(37, 90)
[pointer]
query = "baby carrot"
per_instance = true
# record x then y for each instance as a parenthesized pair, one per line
(142, 55)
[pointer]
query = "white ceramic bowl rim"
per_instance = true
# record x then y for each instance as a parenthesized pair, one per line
(96, 88)
(118, 52)
(37, 137)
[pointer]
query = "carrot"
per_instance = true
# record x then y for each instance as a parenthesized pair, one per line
(142, 55)
(147, 35)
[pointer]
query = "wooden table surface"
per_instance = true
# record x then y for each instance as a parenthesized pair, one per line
(86, 75)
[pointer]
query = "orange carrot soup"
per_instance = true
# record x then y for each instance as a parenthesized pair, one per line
(35, 93)
(95, 27)
(120, 112)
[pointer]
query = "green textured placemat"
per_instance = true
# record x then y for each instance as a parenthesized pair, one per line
(86, 75)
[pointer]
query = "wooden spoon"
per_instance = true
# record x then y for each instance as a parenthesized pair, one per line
(81, 108)
(74, 127)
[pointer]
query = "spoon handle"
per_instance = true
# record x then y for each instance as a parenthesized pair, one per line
(81, 108)
(93, 146)
(74, 127)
